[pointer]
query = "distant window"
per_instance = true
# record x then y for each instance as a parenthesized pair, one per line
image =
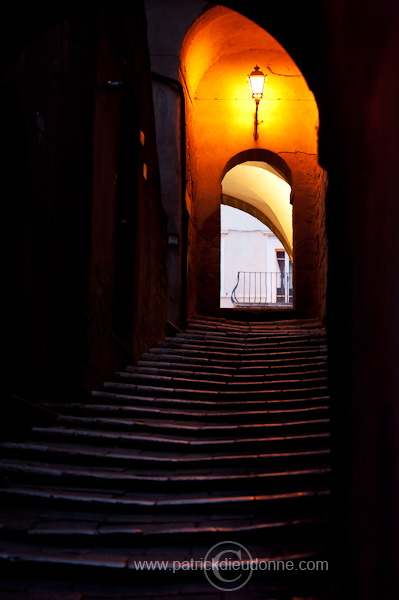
(280, 255)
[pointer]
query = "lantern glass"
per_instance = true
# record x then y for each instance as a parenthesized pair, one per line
(257, 82)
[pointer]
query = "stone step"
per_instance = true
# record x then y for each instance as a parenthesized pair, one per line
(194, 428)
(239, 373)
(191, 364)
(240, 346)
(249, 335)
(249, 338)
(285, 325)
(49, 525)
(135, 566)
(213, 403)
(183, 349)
(218, 360)
(278, 369)
(232, 383)
(145, 440)
(255, 589)
(218, 478)
(79, 454)
(244, 343)
(165, 412)
(265, 394)
(307, 498)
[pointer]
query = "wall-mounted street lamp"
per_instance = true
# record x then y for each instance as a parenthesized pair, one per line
(257, 81)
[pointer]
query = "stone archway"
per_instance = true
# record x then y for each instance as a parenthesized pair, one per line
(268, 157)
(250, 210)
(218, 51)
(259, 182)
(256, 250)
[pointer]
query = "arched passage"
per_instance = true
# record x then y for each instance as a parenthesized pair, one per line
(270, 160)
(250, 210)
(256, 251)
(218, 52)
(261, 181)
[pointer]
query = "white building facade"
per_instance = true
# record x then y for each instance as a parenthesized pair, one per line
(255, 269)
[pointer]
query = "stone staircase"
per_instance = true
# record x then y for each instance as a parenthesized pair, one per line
(219, 436)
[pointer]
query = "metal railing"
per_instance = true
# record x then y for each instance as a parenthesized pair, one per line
(262, 288)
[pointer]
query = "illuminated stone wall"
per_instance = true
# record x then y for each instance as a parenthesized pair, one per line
(219, 51)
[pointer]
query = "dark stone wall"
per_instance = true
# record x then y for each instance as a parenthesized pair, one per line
(207, 278)
(72, 175)
(310, 257)
(360, 149)
(127, 306)
(47, 106)
(321, 244)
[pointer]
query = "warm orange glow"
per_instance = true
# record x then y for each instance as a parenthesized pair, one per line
(225, 129)
(219, 49)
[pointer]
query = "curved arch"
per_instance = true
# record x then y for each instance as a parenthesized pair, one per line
(259, 185)
(261, 155)
(258, 214)
(219, 49)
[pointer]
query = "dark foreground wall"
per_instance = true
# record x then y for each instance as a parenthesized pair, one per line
(83, 286)
(127, 311)
(361, 151)
(47, 103)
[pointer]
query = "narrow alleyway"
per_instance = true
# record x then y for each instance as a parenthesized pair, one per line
(219, 435)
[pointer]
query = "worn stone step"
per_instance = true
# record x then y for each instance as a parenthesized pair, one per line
(286, 325)
(278, 368)
(222, 361)
(306, 498)
(266, 394)
(249, 339)
(243, 343)
(203, 350)
(30, 472)
(239, 373)
(284, 441)
(135, 566)
(230, 415)
(259, 328)
(75, 453)
(202, 365)
(285, 368)
(249, 343)
(194, 428)
(42, 589)
(201, 382)
(49, 526)
(252, 335)
(211, 403)
(246, 346)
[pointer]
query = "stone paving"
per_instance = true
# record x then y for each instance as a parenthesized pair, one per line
(218, 435)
